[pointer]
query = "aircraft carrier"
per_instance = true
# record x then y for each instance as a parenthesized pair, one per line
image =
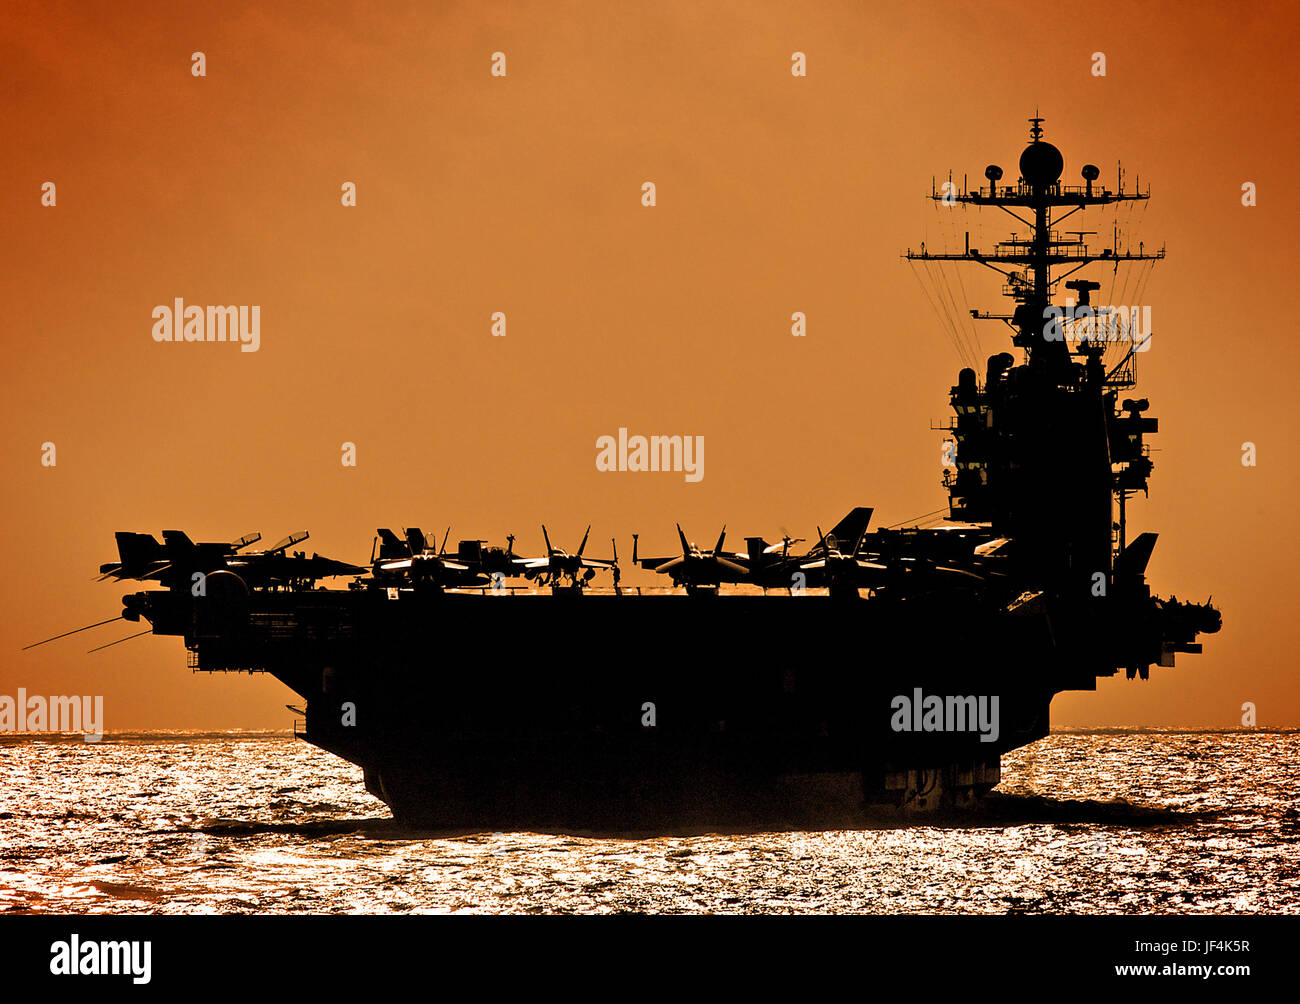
(482, 687)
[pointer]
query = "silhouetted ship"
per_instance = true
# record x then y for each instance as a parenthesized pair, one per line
(483, 688)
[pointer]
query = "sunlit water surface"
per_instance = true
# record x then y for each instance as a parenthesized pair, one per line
(1113, 822)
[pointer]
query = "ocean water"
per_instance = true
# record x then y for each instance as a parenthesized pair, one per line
(1083, 822)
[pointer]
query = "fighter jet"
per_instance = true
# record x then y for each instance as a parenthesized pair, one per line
(276, 567)
(559, 564)
(701, 572)
(175, 562)
(142, 557)
(415, 563)
(843, 572)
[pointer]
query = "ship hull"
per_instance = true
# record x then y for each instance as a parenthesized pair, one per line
(633, 711)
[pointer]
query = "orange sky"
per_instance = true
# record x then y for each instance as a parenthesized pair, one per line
(522, 194)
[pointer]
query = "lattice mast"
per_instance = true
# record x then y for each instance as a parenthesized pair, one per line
(1027, 263)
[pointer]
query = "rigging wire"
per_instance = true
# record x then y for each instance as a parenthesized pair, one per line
(949, 226)
(945, 317)
(977, 346)
(934, 306)
(956, 311)
(962, 309)
(933, 513)
(949, 310)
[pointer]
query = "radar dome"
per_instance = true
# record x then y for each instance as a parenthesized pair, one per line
(1041, 165)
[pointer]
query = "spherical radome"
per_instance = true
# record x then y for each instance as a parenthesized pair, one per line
(1041, 164)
